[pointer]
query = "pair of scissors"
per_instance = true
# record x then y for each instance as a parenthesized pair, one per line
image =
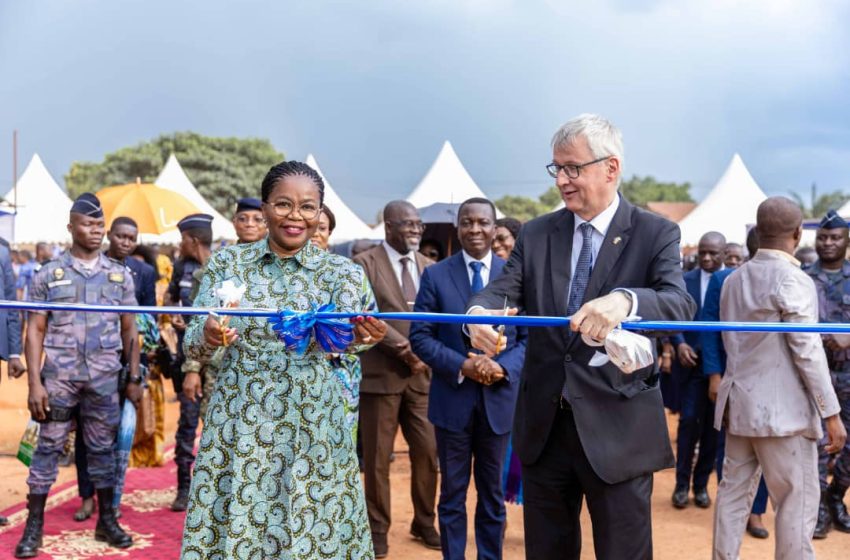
(501, 329)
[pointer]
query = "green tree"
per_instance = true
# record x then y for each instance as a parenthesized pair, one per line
(641, 190)
(820, 205)
(222, 169)
(522, 208)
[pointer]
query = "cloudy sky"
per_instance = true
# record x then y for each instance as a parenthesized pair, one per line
(373, 88)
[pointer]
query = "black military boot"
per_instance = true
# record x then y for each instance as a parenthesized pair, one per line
(107, 529)
(31, 539)
(824, 523)
(835, 500)
(184, 481)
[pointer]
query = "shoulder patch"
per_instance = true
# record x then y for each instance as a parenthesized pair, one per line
(59, 273)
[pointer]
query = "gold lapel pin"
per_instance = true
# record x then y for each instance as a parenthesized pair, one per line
(617, 240)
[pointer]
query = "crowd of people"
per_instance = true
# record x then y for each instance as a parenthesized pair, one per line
(527, 414)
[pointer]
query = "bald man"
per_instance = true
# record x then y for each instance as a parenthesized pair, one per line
(775, 392)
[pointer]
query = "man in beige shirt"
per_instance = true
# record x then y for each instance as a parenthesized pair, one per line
(775, 392)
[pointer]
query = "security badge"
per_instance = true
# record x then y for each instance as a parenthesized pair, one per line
(845, 299)
(117, 277)
(59, 273)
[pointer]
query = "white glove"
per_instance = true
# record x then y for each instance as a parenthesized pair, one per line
(625, 349)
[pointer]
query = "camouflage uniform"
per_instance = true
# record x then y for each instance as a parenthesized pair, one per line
(82, 361)
(187, 426)
(834, 307)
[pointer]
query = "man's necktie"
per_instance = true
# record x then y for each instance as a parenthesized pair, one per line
(477, 280)
(581, 278)
(408, 287)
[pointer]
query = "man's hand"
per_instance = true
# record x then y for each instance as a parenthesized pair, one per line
(482, 369)
(38, 402)
(178, 323)
(192, 386)
(836, 433)
(368, 330)
(713, 386)
(600, 316)
(687, 355)
(16, 368)
(836, 342)
(133, 392)
(216, 335)
(484, 337)
(666, 358)
(418, 367)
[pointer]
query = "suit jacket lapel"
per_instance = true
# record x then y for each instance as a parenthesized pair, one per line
(387, 273)
(560, 253)
(460, 276)
(615, 241)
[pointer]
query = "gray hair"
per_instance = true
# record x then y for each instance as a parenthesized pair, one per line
(603, 138)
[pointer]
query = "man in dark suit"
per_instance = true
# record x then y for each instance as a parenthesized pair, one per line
(10, 322)
(472, 397)
(123, 236)
(583, 431)
(394, 390)
(696, 418)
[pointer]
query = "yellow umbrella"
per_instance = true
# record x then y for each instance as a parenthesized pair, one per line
(155, 209)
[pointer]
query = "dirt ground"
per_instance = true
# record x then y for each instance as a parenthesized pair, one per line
(677, 534)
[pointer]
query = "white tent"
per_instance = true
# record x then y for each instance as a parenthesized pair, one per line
(446, 181)
(348, 225)
(728, 208)
(173, 177)
(844, 211)
(43, 207)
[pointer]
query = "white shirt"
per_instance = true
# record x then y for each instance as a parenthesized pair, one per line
(485, 270)
(601, 223)
(395, 260)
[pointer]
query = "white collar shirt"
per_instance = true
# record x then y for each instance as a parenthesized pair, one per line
(487, 261)
(395, 261)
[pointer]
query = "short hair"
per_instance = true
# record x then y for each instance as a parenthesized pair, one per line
(147, 255)
(291, 169)
(603, 138)
(26, 255)
(511, 224)
(752, 242)
(204, 236)
(476, 200)
(331, 218)
(124, 221)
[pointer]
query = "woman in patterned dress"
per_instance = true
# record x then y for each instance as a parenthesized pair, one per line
(276, 474)
(346, 367)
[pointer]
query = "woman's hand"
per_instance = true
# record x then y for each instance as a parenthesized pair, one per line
(368, 330)
(216, 335)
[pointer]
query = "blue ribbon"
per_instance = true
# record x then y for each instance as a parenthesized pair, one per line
(322, 314)
(296, 330)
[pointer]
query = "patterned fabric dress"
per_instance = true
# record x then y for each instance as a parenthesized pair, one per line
(277, 474)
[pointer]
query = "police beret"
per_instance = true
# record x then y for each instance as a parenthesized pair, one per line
(248, 203)
(195, 221)
(832, 221)
(87, 204)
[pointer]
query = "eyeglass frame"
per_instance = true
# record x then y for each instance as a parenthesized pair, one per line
(286, 215)
(577, 167)
(408, 224)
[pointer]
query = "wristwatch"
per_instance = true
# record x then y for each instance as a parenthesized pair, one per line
(136, 379)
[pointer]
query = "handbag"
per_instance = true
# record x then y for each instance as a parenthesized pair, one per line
(145, 419)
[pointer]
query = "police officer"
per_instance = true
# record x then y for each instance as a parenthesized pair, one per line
(831, 273)
(250, 226)
(82, 363)
(195, 249)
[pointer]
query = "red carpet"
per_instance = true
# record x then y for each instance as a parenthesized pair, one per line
(145, 515)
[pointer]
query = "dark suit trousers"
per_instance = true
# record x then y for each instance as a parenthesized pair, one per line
(380, 417)
(456, 450)
(696, 425)
(553, 488)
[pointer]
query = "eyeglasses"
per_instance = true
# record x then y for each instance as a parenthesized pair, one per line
(409, 224)
(572, 171)
(285, 208)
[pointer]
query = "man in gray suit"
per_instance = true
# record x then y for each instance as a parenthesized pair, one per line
(775, 392)
(10, 321)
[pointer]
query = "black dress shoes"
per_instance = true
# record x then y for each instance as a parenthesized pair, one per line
(680, 498)
(701, 498)
(757, 532)
(428, 535)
